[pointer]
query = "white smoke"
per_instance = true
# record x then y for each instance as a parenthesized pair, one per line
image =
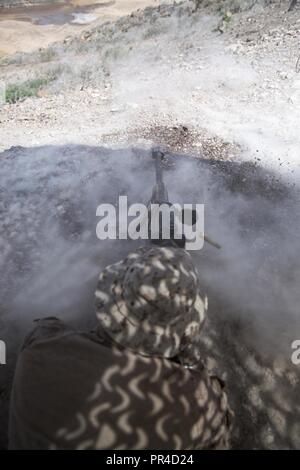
(52, 256)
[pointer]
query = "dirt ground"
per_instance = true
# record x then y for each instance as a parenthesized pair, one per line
(20, 33)
(228, 94)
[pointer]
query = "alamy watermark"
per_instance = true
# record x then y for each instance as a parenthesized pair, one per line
(154, 222)
(2, 352)
(295, 357)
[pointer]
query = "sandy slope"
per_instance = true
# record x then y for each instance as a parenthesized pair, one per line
(25, 36)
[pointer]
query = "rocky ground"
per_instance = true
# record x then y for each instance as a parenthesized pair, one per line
(219, 85)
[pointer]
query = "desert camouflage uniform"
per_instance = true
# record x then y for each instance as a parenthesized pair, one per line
(76, 390)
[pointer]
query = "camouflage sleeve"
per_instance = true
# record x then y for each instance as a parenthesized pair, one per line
(212, 430)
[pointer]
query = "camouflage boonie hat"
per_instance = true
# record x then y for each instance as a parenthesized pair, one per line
(150, 302)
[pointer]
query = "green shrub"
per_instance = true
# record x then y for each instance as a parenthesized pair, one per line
(19, 92)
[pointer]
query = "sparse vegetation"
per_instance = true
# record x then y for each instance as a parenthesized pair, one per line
(225, 20)
(46, 55)
(20, 91)
(227, 16)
